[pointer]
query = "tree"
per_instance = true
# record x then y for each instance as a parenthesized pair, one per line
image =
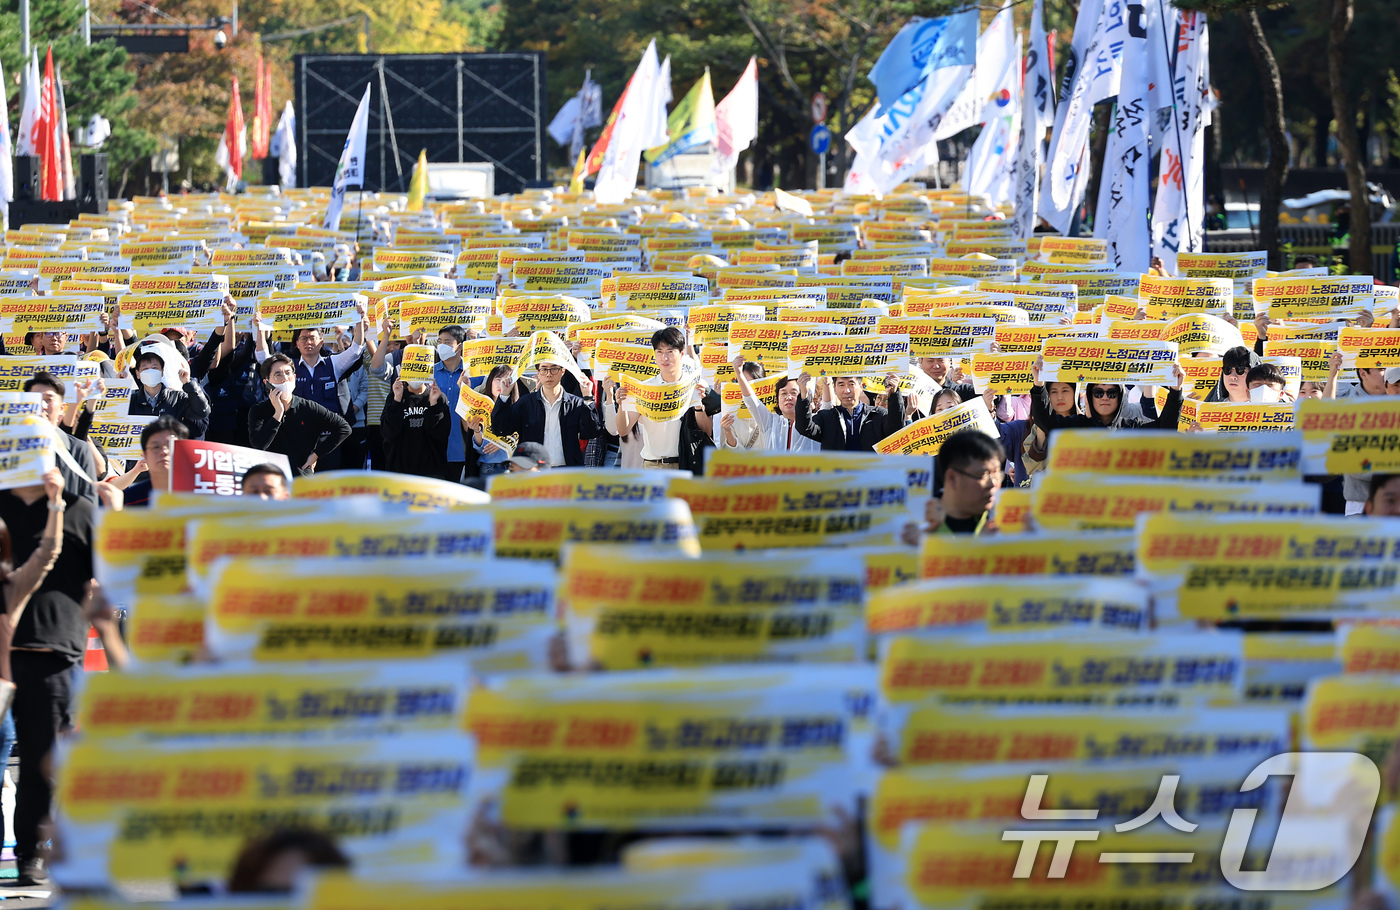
(1276, 169)
(97, 78)
(1344, 113)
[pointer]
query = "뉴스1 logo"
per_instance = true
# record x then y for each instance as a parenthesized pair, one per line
(1319, 836)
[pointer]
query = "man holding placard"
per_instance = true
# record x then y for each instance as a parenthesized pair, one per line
(156, 398)
(549, 415)
(852, 425)
(659, 405)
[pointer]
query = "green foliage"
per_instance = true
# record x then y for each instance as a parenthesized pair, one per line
(97, 79)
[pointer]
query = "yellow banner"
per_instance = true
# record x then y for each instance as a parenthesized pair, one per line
(165, 628)
(1350, 435)
(419, 494)
(1202, 375)
(863, 507)
(1225, 417)
(662, 401)
(582, 485)
(484, 354)
(1075, 360)
(1004, 374)
(1049, 553)
(1010, 605)
(613, 359)
(940, 336)
(1313, 354)
(1330, 297)
(119, 437)
(998, 269)
(298, 310)
(540, 530)
(1048, 669)
(1167, 297)
(632, 608)
(1146, 453)
(1199, 332)
(1030, 339)
(862, 355)
(418, 362)
(542, 313)
(926, 437)
(1235, 266)
(712, 323)
(1073, 249)
(1369, 348)
(1092, 501)
(433, 314)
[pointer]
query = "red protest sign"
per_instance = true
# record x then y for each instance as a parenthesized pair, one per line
(216, 468)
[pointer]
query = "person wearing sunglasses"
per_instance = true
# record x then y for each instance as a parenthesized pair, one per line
(1106, 406)
(1233, 385)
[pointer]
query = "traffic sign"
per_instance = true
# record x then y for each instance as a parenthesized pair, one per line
(820, 139)
(819, 108)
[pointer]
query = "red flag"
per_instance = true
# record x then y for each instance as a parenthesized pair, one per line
(234, 132)
(47, 142)
(262, 109)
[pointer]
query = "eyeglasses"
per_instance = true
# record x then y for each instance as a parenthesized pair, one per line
(549, 368)
(994, 476)
(1235, 371)
(1104, 393)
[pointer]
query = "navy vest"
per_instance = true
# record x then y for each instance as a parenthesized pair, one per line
(319, 385)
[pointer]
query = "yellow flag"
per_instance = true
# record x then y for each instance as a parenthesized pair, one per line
(576, 182)
(418, 183)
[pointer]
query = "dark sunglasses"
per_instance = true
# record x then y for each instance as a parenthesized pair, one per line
(1104, 393)
(1238, 371)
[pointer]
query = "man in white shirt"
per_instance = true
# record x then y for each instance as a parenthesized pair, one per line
(661, 439)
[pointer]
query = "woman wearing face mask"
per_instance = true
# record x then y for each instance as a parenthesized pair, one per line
(186, 404)
(415, 426)
(1234, 368)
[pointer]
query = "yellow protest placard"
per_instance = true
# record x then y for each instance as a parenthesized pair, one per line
(926, 436)
(150, 313)
(541, 529)
(433, 314)
(1202, 375)
(659, 400)
(1050, 553)
(862, 507)
(1093, 501)
(633, 608)
(1350, 435)
(1369, 348)
(1226, 417)
(1168, 297)
(1004, 374)
(27, 451)
(712, 323)
(119, 437)
(1010, 605)
(1235, 266)
(1200, 332)
(732, 399)
(1073, 249)
(417, 364)
(767, 342)
(388, 798)
(292, 310)
(1080, 360)
(861, 355)
(418, 494)
(1329, 297)
(939, 336)
(1146, 453)
(635, 360)
(1031, 668)
(582, 485)
(554, 312)
(484, 354)
(165, 628)
(1313, 356)
(1029, 339)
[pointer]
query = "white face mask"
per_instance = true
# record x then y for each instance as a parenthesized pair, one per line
(1263, 395)
(417, 387)
(287, 386)
(151, 377)
(446, 351)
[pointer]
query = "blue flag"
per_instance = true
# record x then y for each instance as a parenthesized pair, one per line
(921, 47)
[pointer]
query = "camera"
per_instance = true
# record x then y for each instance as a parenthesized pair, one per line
(220, 39)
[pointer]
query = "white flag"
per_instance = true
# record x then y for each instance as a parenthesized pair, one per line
(1025, 178)
(991, 164)
(736, 120)
(283, 147)
(1121, 215)
(351, 169)
(29, 108)
(1039, 77)
(632, 131)
(561, 128)
(997, 71)
(661, 99)
(1178, 215)
(1060, 215)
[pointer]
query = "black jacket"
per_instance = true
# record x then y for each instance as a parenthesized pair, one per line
(828, 427)
(694, 441)
(54, 617)
(415, 435)
(306, 427)
(525, 416)
(189, 406)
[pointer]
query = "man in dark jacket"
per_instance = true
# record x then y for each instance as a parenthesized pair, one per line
(152, 398)
(286, 423)
(852, 425)
(415, 427)
(549, 416)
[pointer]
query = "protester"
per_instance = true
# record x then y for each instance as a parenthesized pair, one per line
(778, 426)
(1369, 382)
(1106, 406)
(378, 381)
(741, 432)
(157, 459)
(491, 458)
(318, 378)
(186, 404)
(48, 642)
(448, 374)
(968, 470)
(1383, 496)
(273, 863)
(266, 481)
(662, 443)
(18, 584)
(416, 427)
(79, 469)
(529, 456)
(851, 425)
(290, 425)
(549, 416)
(1233, 385)
(1267, 384)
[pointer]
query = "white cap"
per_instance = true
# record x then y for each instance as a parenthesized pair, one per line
(1392, 374)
